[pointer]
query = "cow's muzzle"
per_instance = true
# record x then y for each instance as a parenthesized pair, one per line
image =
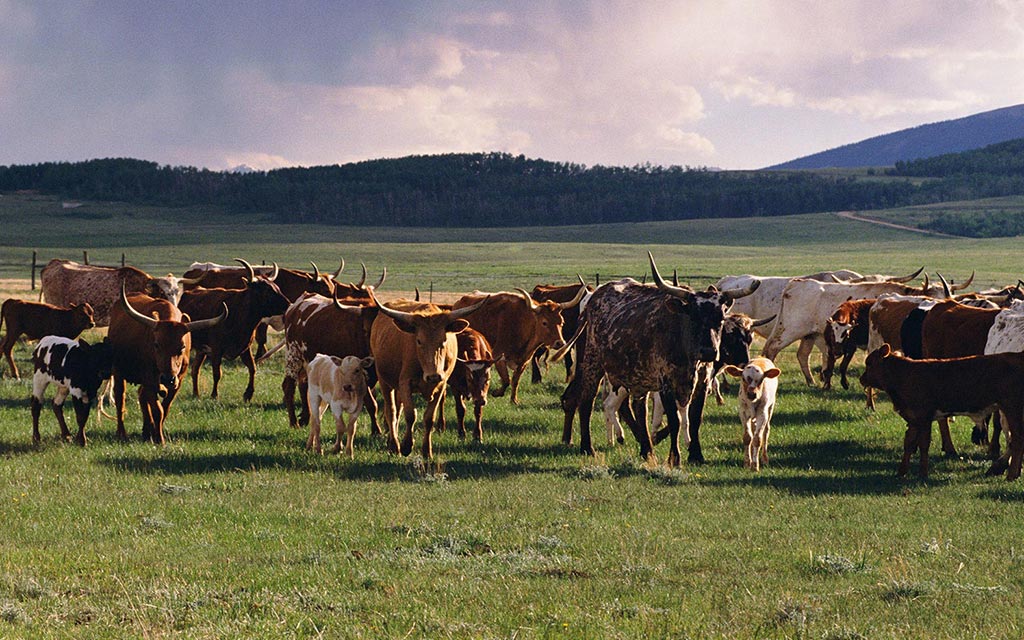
(166, 384)
(432, 379)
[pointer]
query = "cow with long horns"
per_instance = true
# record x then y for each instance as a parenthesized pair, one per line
(150, 341)
(258, 299)
(649, 339)
(516, 325)
(415, 350)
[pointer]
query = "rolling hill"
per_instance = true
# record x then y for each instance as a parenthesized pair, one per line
(924, 141)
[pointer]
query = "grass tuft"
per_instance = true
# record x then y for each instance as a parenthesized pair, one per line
(837, 565)
(901, 590)
(13, 613)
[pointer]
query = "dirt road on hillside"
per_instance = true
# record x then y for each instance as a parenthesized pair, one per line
(849, 215)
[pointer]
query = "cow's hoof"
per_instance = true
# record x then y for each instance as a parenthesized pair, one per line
(998, 468)
(695, 458)
(620, 440)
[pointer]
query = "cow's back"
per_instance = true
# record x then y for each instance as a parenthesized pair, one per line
(952, 330)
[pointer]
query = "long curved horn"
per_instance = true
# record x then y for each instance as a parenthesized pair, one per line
(961, 287)
(417, 290)
(465, 311)
(193, 281)
(345, 307)
(835, 279)
(250, 272)
(316, 270)
(906, 279)
(579, 295)
(739, 292)
(763, 321)
(383, 276)
(273, 276)
(199, 325)
(926, 286)
(529, 300)
(945, 286)
(362, 280)
(678, 292)
(144, 319)
(340, 269)
(675, 278)
(564, 349)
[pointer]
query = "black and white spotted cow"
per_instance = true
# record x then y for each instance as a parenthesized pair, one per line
(78, 369)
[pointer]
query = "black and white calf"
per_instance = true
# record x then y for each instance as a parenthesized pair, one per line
(77, 368)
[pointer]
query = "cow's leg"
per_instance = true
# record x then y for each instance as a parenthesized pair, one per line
(315, 416)
(502, 367)
(197, 364)
(304, 411)
(947, 440)
(827, 368)
(844, 366)
(122, 435)
(612, 401)
(803, 356)
(430, 414)
(675, 458)
(405, 400)
(993, 443)
(37, 408)
(478, 414)
(215, 362)
(288, 389)
(585, 406)
(909, 445)
(869, 394)
(350, 430)
(748, 446)
(638, 427)
(250, 364)
(82, 417)
(924, 440)
(716, 388)
(440, 424)
(58, 410)
(535, 376)
(8, 348)
(516, 375)
(694, 410)
(261, 340)
(570, 401)
(1015, 439)
(390, 416)
(146, 408)
(979, 432)
(160, 412)
(460, 412)
(568, 365)
(370, 406)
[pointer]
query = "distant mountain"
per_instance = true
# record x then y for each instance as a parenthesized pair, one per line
(924, 141)
(242, 168)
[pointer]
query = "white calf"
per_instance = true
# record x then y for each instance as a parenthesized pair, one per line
(340, 383)
(758, 386)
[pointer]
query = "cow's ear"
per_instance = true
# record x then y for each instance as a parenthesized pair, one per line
(772, 373)
(457, 326)
(675, 305)
(366, 362)
(885, 350)
(156, 316)
(405, 326)
(184, 317)
(733, 370)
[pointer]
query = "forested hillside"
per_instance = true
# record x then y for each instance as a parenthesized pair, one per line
(501, 190)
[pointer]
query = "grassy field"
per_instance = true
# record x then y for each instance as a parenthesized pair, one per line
(234, 531)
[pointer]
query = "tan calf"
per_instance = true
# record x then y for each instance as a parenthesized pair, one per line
(341, 384)
(759, 382)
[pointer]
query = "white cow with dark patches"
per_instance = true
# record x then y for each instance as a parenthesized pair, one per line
(77, 368)
(338, 383)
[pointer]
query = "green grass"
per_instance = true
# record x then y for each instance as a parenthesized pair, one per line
(233, 530)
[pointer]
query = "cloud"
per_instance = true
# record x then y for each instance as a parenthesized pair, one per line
(757, 92)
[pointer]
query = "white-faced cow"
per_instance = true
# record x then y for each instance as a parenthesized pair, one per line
(759, 384)
(65, 283)
(37, 319)
(415, 350)
(648, 339)
(150, 340)
(76, 368)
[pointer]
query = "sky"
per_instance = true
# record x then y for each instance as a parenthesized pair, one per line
(722, 83)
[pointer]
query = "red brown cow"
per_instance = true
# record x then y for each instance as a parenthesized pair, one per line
(471, 379)
(150, 341)
(317, 324)
(415, 349)
(247, 307)
(923, 390)
(515, 325)
(38, 319)
(65, 282)
(845, 332)
(570, 320)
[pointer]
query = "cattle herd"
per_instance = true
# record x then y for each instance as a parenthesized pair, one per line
(934, 349)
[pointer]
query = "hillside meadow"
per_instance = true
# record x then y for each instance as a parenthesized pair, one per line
(233, 530)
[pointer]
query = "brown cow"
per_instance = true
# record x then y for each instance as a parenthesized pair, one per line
(923, 390)
(570, 320)
(65, 282)
(316, 324)
(471, 379)
(150, 340)
(515, 326)
(259, 298)
(415, 349)
(38, 319)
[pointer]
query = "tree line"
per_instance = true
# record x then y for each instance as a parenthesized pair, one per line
(500, 189)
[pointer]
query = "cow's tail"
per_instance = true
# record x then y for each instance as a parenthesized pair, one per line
(108, 394)
(776, 329)
(267, 355)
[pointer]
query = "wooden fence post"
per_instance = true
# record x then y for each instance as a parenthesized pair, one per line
(122, 258)
(33, 269)
(431, 291)
(85, 257)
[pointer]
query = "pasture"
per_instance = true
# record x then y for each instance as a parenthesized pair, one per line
(234, 530)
